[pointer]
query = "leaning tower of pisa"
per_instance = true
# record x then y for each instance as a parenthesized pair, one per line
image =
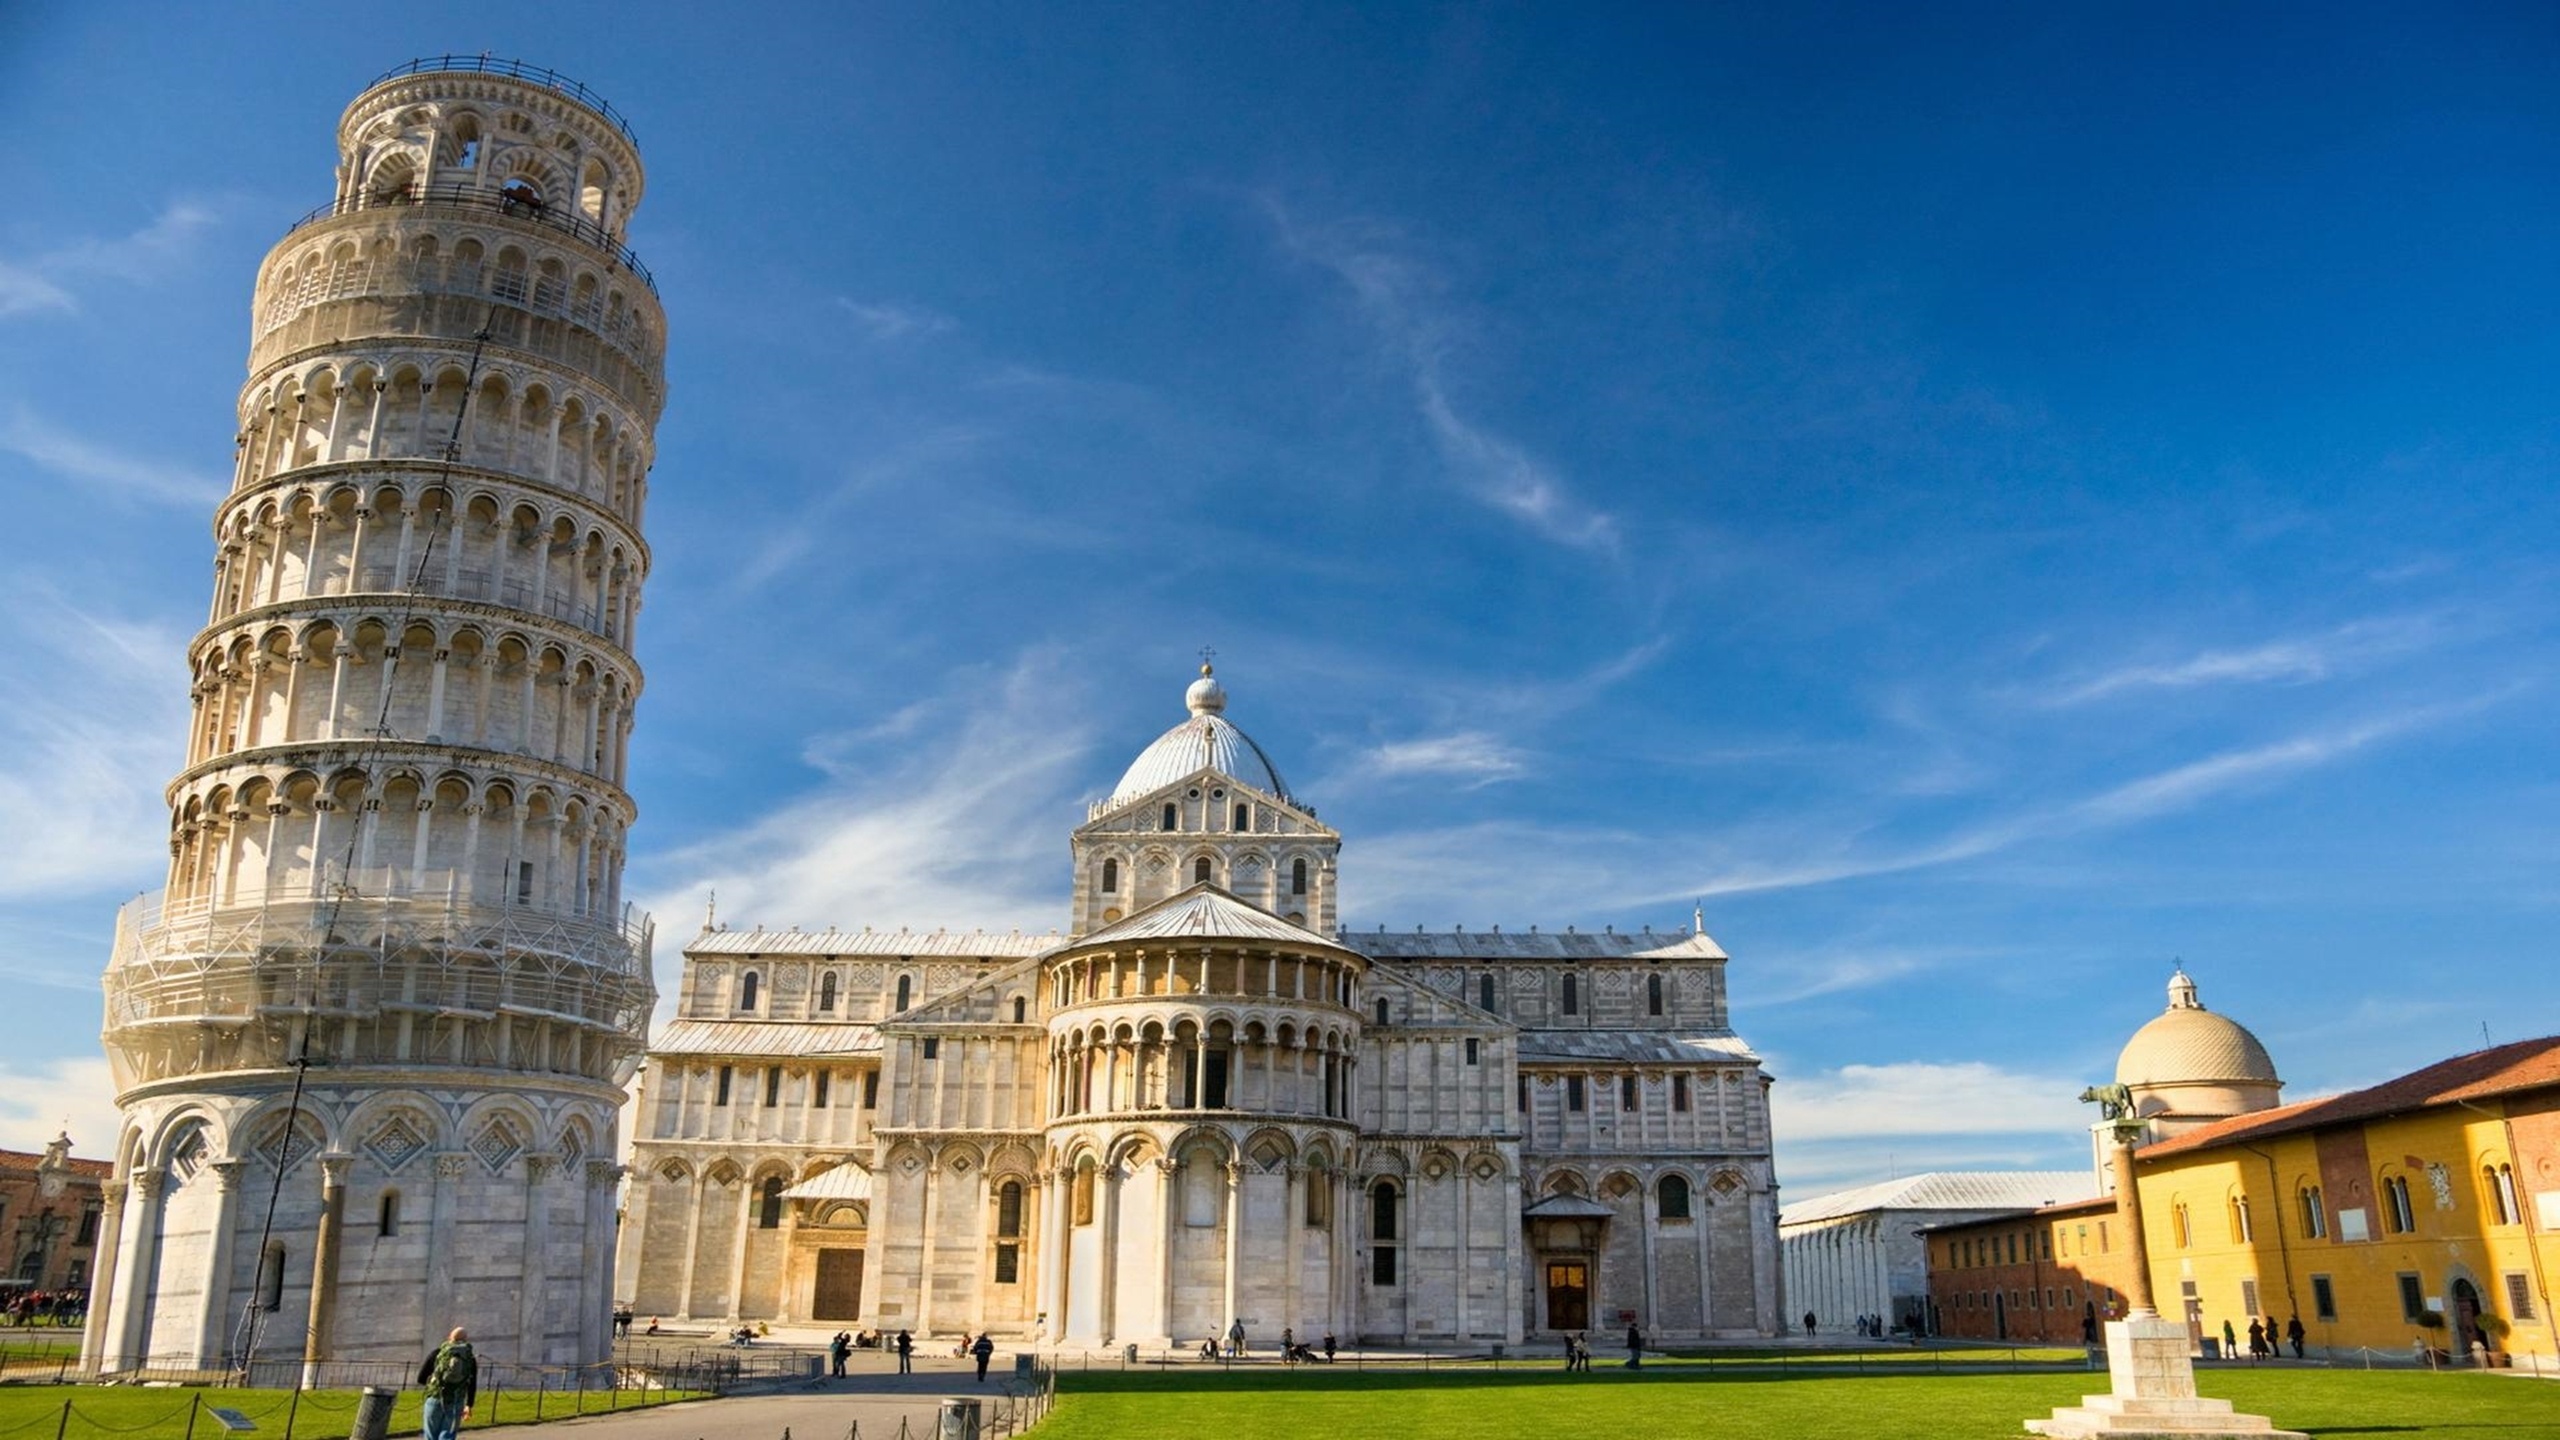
(370, 1041)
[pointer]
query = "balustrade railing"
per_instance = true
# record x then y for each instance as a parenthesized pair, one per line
(543, 76)
(469, 197)
(366, 907)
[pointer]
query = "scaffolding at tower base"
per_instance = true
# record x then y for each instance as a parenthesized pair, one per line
(410, 982)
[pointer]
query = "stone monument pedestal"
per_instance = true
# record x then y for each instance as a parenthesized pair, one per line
(2152, 1393)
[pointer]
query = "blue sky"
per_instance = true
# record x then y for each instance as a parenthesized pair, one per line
(1993, 500)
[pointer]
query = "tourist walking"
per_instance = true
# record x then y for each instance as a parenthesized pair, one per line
(2230, 1342)
(2293, 1335)
(984, 1349)
(1808, 1324)
(1328, 1347)
(906, 1353)
(1635, 1348)
(1235, 1338)
(837, 1350)
(451, 1378)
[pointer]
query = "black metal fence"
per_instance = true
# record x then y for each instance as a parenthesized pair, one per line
(691, 1371)
(548, 79)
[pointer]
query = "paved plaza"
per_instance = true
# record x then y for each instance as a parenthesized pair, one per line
(872, 1396)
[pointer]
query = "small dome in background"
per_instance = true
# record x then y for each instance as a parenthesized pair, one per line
(2189, 1067)
(2190, 1045)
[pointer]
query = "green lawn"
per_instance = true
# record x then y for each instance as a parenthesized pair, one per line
(155, 1413)
(1551, 1405)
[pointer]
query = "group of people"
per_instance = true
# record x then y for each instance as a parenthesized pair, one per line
(1871, 1327)
(841, 1347)
(2263, 1338)
(46, 1307)
(1577, 1351)
(1294, 1351)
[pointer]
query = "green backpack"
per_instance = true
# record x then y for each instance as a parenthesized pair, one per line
(457, 1371)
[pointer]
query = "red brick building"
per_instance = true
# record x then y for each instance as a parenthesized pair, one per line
(2034, 1277)
(49, 1215)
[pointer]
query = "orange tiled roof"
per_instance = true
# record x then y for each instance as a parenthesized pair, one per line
(2480, 1075)
(27, 1161)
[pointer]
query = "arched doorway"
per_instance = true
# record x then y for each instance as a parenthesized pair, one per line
(2466, 1318)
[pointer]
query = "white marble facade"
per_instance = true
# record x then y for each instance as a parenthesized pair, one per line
(396, 843)
(1206, 1101)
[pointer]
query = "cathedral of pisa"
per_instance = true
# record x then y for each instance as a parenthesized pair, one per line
(373, 1040)
(1206, 1102)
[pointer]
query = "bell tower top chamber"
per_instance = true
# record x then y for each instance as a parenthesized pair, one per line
(396, 845)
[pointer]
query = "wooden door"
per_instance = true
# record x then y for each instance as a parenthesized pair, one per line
(839, 1294)
(1568, 1295)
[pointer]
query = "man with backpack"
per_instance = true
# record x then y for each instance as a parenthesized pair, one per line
(451, 1378)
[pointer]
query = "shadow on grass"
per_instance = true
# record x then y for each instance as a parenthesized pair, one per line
(1318, 1379)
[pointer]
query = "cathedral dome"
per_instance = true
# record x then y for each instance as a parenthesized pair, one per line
(1208, 740)
(2190, 1045)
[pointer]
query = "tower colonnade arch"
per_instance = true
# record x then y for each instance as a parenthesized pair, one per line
(476, 678)
(463, 535)
(508, 414)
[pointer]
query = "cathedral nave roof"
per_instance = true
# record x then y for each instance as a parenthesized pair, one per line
(1531, 945)
(831, 942)
(1636, 1047)
(765, 1037)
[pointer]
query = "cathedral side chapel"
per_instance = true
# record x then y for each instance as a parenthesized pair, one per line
(1206, 1102)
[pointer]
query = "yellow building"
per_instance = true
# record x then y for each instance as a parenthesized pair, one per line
(2419, 1212)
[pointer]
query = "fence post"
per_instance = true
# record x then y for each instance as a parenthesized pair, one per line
(291, 1410)
(192, 1408)
(64, 1428)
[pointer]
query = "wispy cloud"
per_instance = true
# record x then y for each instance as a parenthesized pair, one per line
(24, 291)
(886, 320)
(2294, 660)
(2184, 786)
(1471, 756)
(1863, 1123)
(1593, 873)
(1918, 1097)
(45, 282)
(81, 766)
(1401, 297)
(922, 457)
(117, 475)
(1778, 978)
(964, 834)
(74, 1096)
